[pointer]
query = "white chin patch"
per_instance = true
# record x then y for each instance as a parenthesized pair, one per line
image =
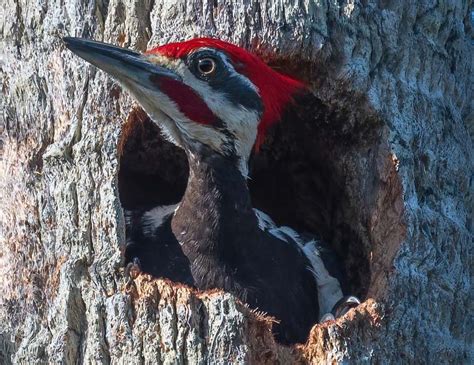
(206, 135)
(148, 100)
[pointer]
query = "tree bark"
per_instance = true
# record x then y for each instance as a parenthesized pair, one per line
(401, 70)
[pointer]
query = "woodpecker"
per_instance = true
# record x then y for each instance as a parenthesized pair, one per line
(217, 101)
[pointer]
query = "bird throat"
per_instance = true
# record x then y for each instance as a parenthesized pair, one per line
(215, 219)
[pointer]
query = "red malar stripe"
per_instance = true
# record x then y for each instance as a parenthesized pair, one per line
(188, 101)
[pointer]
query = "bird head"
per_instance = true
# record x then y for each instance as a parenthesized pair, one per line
(205, 93)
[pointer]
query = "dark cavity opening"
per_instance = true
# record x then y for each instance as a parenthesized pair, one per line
(308, 175)
(152, 171)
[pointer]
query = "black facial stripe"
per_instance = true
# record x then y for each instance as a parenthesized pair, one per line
(238, 91)
(226, 81)
(230, 145)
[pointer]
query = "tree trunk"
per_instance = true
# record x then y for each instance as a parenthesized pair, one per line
(394, 80)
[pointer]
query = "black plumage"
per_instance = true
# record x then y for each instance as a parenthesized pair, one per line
(222, 246)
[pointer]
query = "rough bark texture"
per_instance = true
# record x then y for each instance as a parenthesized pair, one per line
(400, 72)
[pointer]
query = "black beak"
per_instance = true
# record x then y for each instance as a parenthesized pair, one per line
(125, 65)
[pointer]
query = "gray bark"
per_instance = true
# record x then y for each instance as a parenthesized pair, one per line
(64, 295)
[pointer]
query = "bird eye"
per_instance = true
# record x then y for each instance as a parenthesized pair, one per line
(206, 66)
